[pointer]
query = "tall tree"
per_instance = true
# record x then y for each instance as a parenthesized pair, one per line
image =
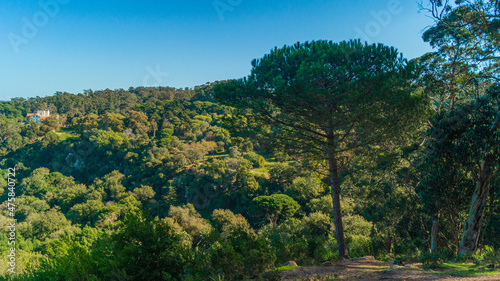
(467, 141)
(475, 22)
(467, 40)
(321, 99)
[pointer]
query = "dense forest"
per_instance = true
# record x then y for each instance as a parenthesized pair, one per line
(326, 151)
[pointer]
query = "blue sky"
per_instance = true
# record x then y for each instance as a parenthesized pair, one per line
(68, 45)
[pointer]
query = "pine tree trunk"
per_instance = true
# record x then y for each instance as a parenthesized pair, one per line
(434, 235)
(472, 228)
(337, 214)
(388, 244)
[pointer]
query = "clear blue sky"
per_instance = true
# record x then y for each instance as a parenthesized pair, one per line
(70, 45)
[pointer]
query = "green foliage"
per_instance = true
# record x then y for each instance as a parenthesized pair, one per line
(111, 186)
(463, 150)
(434, 259)
(144, 193)
(303, 120)
(359, 245)
(36, 184)
(189, 220)
(85, 212)
(71, 196)
(73, 261)
(234, 152)
(281, 176)
(151, 150)
(239, 254)
(149, 250)
(303, 190)
(51, 124)
(257, 160)
(165, 137)
(322, 204)
(107, 139)
(138, 121)
(275, 208)
(307, 241)
(226, 221)
(47, 223)
(491, 257)
(112, 122)
(85, 123)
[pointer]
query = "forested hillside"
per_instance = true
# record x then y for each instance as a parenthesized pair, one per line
(326, 151)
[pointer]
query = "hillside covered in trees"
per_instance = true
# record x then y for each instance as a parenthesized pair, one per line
(326, 151)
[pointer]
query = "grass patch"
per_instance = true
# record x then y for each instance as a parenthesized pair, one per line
(463, 269)
(270, 162)
(287, 267)
(63, 137)
(66, 133)
(262, 170)
(216, 155)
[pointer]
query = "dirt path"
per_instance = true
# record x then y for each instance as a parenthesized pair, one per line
(369, 269)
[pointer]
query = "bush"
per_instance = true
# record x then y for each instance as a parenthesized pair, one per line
(237, 255)
(492, 256)
(275, 208)
(144, 193)
(233, 152)
(487, 255)
(190, 220)
(193, 155)
(359, 246)
(437, 258)
(307, 241)
(287, 240)
(148, 249)
(225, 221)
(257, 160)
(304, 189)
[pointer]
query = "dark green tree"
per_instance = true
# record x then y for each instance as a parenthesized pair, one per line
(465, 143)
(112, 121)
(476, 21)
(275, 208)
(321, 99)
(149, 249)
(466, 39)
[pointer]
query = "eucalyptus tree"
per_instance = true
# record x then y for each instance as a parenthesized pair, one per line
(465, 145)
(466, 60)
(323, 99)
(475, 22)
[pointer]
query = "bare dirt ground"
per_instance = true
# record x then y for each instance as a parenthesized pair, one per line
(370, 269)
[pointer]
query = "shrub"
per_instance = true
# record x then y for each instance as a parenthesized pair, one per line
(234, 152)
(438, 257)
(275, 208)
(225, 221)
(144, 193)
(257, 160)
(359, 246)
(307, 241)
(303, 190)
(148, 249)
(190, 220)
(237, 255)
